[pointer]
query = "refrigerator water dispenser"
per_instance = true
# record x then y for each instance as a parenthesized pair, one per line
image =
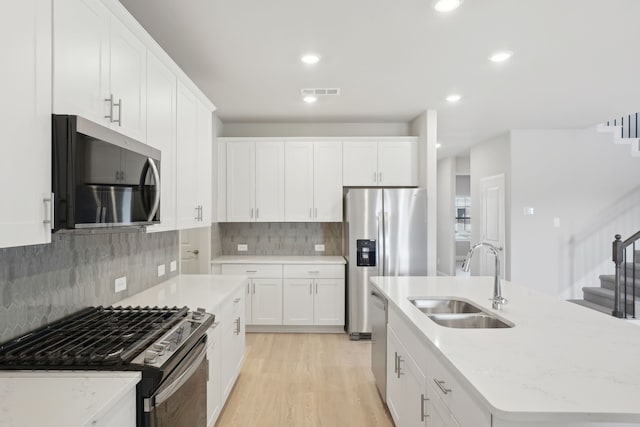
(366, 253)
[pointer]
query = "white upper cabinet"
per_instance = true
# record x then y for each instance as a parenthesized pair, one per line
(204, 137)
(161, 134)
(187, 209)
(194, 142)
(99, 67)
(313, 181)
(255, 181)
(25, 151)
(378, 163)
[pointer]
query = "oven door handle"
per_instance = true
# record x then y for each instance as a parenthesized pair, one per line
(193, 363)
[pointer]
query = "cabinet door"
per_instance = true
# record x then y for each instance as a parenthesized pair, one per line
(395, 394)
(241, 182)
(81, 58)
(414, 386)
(328, 307)
(298, 182)
(298, 301)
(359, 163)
(25, 152)
(161, 134)
(327, 181)
(266, 302)
(128, 81)
(214, 398)
(269, 181)
(204, 163)
(187, 151)
(397, 163)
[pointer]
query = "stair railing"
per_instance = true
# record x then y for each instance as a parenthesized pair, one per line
(622, 297)
(629, 126)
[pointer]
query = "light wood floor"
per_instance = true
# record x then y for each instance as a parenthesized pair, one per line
(299, 380)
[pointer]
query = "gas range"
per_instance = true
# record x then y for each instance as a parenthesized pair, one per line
(160, 342)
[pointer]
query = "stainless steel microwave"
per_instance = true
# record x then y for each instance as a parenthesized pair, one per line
(101, 178)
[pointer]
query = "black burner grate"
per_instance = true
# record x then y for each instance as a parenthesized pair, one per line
(94, 336)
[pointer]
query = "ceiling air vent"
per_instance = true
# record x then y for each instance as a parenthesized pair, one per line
(320, 91)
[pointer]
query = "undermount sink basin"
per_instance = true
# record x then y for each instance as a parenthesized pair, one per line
(457, 313)
(468, 321)
(435, 306)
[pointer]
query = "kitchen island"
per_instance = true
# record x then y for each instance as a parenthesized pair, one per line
(559, 365)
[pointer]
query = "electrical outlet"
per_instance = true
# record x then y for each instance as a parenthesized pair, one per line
(319, 248)
(173, 266)
(121, 284)
(161, 270)
(243, 248)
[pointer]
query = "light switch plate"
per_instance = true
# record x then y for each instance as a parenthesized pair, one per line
(173, 266)
(121, 284)
(161, 270)
(243, 248)
(319, 248)
(529, 210)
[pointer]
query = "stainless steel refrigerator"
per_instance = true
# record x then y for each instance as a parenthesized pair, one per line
(385, 234)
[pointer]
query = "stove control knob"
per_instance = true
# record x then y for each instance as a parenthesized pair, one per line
(159, 348)
(201, 310)
(196, 315)
(150, 356)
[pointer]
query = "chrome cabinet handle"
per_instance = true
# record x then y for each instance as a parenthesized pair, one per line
(250, 271)
(237, 300)
(110, 116)
(395, 368)
(441, 386)
(316, 288)
(248, 288)
(251, 214)
(257, 213)
(119, 105)
(380, 177)
(310, 215)
(399, 367)
(48, 210)
(423, 412)
(197, 218)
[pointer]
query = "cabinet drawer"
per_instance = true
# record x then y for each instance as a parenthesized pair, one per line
(313, 271)
(444, 386)
(253, 270)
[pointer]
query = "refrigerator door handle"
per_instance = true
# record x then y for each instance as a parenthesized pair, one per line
(385, 233)
(380, 251)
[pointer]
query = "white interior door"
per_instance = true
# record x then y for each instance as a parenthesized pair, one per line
(492, 221)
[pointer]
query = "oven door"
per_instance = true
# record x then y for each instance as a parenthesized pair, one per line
(181, 399)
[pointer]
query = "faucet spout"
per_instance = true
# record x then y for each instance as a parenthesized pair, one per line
(498, 300)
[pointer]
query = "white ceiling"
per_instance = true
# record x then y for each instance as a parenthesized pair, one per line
(576, 62)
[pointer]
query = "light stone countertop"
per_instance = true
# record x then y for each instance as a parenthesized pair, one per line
(60, 398)
(254, 259)
(191, 290)
(559, 362)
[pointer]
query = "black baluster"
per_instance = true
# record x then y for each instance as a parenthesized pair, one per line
(636, 125)
(629, 126)
(624, 262)
(622, 127)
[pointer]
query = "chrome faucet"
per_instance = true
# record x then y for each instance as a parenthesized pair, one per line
(498, 300)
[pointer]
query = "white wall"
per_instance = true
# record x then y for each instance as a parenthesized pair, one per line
(316, 129)
(488, 159)
(446, 216)
(463, 165)
(425, 127)
(590, 185)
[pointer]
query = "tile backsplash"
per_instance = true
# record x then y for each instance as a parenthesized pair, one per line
(277, 238)
(43, 283)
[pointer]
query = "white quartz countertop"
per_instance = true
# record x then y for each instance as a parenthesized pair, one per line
(60, 399)
(560, 361)
(191, 290)
(249, 259)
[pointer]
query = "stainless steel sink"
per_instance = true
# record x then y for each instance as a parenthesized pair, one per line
(436, 305)
(468, 321)
(457, 313)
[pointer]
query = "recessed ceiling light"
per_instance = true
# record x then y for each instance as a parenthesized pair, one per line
(454, 97)
(438, 145)
(501, 56)
(446, 5)
(310, 99)
(310, 59)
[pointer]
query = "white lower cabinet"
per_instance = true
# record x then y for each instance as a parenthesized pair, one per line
(263, 293)
(292, 294)
(313, 294)
(225, 352)
(421, 389)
